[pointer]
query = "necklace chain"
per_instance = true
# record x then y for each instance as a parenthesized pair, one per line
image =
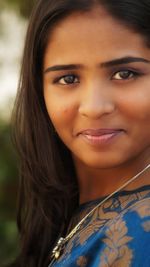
(62, 241)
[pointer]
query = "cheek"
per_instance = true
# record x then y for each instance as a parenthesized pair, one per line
(137, 106)
(61, 112)
(136, 114)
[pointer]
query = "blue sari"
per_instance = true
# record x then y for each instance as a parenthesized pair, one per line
(117, 234)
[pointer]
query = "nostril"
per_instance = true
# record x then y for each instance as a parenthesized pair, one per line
(96, 109)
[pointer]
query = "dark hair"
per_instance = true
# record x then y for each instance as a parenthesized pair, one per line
(48, 187)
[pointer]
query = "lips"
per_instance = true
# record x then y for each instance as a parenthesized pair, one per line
(98, 137)
(99, 132)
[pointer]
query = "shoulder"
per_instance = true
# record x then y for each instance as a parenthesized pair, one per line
(128, 235)
(137, 213)
(135, 219)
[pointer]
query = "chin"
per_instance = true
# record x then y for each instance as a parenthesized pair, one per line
(103, 163)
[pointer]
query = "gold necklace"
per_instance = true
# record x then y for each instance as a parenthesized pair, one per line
(63, 240)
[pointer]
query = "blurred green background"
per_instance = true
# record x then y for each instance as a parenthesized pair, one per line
(8, 159)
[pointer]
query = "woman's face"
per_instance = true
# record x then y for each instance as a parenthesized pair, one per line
(97, 89)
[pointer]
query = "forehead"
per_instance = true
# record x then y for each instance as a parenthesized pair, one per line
(93, 34)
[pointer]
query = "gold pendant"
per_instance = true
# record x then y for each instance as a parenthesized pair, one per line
(58, 249)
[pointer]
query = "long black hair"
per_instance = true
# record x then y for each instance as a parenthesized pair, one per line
(48, 192)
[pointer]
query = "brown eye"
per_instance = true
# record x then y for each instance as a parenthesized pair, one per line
(68, 79)
(124, 75)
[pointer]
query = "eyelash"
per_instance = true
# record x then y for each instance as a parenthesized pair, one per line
(135, 74)
(57, 80)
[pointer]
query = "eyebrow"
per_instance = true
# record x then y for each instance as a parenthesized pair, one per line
(124, 60)
(64, 67)
(111, 63)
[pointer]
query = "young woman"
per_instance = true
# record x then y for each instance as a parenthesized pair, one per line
(82, 131)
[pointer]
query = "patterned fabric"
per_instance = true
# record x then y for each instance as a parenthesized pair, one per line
(117, 234)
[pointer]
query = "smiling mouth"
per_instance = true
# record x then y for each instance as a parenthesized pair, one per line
(100, 136)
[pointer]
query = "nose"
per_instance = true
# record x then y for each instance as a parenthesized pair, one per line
(96, 101)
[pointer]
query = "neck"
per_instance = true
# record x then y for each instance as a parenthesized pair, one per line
(95, 183)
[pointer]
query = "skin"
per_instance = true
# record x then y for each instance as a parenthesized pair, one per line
(100, 96)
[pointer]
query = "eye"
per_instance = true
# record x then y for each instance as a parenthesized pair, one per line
(124, 75)
(67, 79)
